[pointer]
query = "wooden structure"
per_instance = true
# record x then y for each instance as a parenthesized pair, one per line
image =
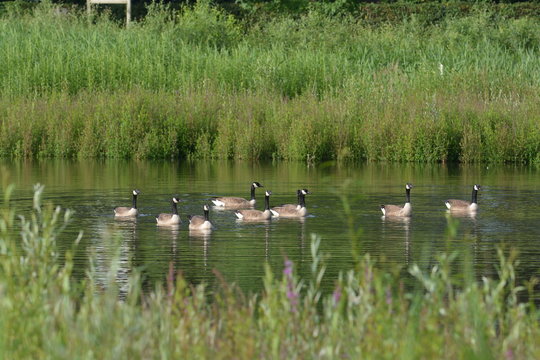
(89, 4)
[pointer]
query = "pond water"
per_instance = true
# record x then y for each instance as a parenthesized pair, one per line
(509, 206)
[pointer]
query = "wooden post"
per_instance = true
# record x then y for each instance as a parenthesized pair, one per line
(122, 2)
(128, 12)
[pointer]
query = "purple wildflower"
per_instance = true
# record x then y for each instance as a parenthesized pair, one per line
(288, 268)
(388, 296)
(368, 275)
(292, 295)
(337, 294)
(170, 280)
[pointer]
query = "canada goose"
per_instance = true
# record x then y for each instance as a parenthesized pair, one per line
(462, 205)
(396, 210)
(291, 210)
(256, 215)
(170, 219)
(237, 202)
(128, 211)
(197, 222)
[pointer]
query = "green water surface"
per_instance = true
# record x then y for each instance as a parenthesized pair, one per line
(509, 207)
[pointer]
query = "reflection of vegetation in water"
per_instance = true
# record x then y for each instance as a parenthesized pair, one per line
(200, 83)
(369, 313)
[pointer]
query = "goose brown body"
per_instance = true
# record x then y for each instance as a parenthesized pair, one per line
(125, 211)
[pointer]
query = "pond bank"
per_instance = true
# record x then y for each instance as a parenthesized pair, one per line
(209, 123)
(200, 83)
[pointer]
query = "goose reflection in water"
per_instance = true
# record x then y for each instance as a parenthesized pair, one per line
(400, 224)
(204, 236)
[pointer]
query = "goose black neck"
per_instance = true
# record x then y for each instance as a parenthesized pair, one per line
(267, 202)
(134, 201)
(252, 192)
(408, 193)
(302, 200)
(206, 215)
(174, 208)
(474, 196)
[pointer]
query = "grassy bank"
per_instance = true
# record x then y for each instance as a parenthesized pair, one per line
(248, 125)
(313, 87)
(370, 314)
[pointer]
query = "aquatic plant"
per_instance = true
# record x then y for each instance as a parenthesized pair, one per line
(46, 313)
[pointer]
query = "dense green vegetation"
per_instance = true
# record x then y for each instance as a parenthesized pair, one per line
(198, 82)
(370, 314)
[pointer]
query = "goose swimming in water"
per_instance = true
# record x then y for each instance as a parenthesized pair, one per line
(396, 210)
(170, 219)
(232, 202)
(464, 206)
(292, 210)
(256, 215)
(198, 222)
(123, 211)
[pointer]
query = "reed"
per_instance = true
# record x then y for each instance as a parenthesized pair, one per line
(261, 125)
(312, 87)
(370, 313)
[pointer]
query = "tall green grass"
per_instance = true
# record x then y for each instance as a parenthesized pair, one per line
(311, 87)
(44, 52)
(257, 125)
(46, 313)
